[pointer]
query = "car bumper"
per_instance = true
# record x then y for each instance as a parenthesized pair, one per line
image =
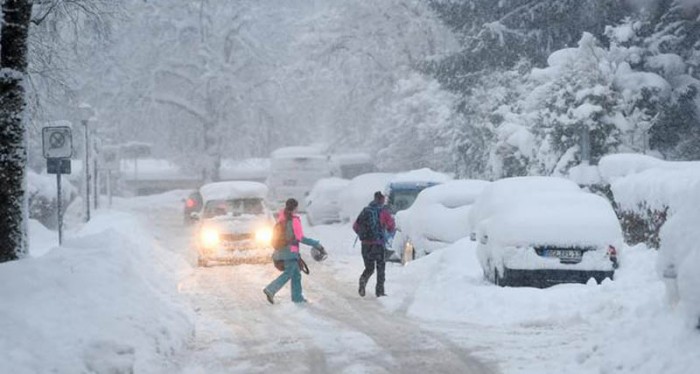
(549, 277)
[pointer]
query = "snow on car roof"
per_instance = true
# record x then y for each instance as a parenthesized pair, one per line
(554, 218)
(502, 191)
(452, 194)
(233, 190)
(421, 175)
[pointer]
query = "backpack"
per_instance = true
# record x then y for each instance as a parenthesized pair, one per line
(279, 235)
(367, 225)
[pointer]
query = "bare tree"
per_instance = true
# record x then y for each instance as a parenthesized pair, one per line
(13, 141)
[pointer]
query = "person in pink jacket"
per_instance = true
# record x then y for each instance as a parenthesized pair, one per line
(290, 254)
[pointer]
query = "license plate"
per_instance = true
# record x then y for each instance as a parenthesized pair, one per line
(564, 254)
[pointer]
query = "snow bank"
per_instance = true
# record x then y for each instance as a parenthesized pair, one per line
(359, 192)
(621, 326)
(639, 181)
(41, 239)
(679, 255)
(104, 302)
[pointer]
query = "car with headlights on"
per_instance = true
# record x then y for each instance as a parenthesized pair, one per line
(193, 204)
(546, 237)
(235, 224)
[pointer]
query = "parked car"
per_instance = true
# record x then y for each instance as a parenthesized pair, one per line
(438, 217)
(401, 192)
(323, 204)
(193, 204)
(546, 237)
(503, 191)
(235, 224)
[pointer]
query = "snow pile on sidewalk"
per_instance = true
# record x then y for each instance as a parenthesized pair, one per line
(105, 302)
(621, 326)
(679, 257)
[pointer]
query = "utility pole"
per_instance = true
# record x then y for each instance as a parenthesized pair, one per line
(86, 113)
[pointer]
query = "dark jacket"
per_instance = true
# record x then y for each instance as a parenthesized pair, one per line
(386, 222)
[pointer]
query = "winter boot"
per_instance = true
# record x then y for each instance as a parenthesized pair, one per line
(361, 290)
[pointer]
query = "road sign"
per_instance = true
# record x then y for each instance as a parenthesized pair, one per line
(58, 165)
(57, 142)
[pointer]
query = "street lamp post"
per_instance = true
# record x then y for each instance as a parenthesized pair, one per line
(86, 113)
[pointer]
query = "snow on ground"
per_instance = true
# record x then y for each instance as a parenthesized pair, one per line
(622, 326)
(104, 302)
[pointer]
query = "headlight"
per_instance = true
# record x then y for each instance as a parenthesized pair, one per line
(209, 238)
(264, 236)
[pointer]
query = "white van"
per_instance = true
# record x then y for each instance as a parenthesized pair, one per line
(293, 171)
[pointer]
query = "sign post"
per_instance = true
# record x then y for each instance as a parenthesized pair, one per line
(110, 160)
(57, 144)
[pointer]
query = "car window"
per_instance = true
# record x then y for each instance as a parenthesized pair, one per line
(236, 207)
(401, 200)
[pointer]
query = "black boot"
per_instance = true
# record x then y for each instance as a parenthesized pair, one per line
(361, 290)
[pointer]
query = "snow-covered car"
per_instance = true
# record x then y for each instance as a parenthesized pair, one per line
(547, 238)
(323, 204)
(401, 192)
(437, 218)
(235, 224)
(360, 192)
(503, 191)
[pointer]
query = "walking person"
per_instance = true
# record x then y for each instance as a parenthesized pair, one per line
(372, 226)
(290, 254)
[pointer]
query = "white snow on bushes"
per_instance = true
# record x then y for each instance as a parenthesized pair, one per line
(103, 302)
(640, 181)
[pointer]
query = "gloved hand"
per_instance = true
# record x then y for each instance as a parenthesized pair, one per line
(319, 253)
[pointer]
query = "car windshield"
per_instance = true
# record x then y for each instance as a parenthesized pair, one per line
(236, 207)
(401, 200)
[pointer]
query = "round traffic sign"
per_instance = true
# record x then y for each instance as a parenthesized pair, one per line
(57, 140)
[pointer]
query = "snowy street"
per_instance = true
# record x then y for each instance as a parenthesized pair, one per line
(440, 315)
(237, 331)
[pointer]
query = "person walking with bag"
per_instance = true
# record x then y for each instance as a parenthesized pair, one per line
(289, 254)
(372, 225)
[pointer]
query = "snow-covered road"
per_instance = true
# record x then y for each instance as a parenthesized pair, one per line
(237, 331)
(122, 295)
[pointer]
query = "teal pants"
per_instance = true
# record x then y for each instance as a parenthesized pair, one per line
(291, 271)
